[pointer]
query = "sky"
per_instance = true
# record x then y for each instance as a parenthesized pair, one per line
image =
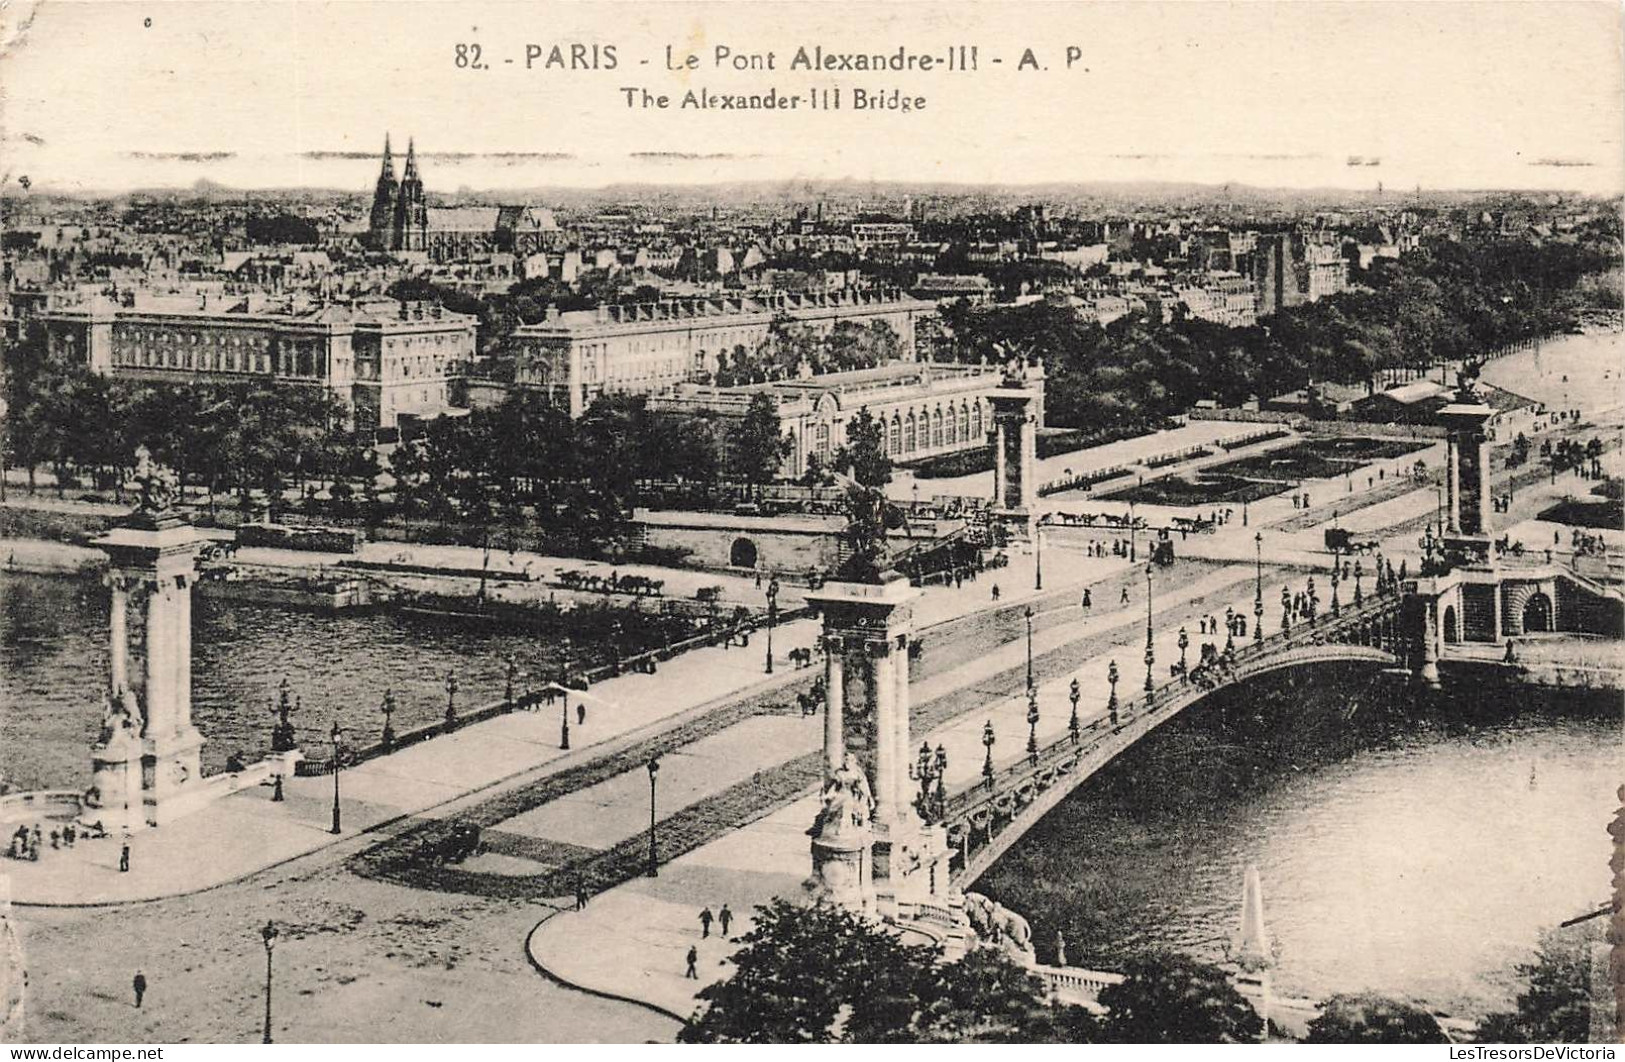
(103, 96)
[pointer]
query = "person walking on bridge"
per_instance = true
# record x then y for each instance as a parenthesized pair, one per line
(691, 974)
(725, 917)
(705, 922)
(140, 986)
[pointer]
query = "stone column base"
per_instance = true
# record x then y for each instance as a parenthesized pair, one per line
(842, 872)
(172, 776)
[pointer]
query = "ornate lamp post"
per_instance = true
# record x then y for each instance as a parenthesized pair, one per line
(388, 710)
(1038, 554)
(268, 935)
(1111, 702)
(987, 743)
(920, 771)
(1337, 565)
(282, 735)
(1074, 693)
(772, 618)
(941, 765)
(1150, 651)
(1131, 532)
(1258, 586)
(336, 733)
(1286, 610)
(1313, 598)
(1032, 724)
(1029, 616)
(451, 701)
(1184, 643)
(564, 713)
(1359, 571)
(654, 860)
(507, 684)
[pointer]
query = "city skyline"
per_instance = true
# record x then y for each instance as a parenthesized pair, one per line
(1302, 97)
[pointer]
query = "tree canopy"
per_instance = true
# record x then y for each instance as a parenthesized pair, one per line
(1367, 1018)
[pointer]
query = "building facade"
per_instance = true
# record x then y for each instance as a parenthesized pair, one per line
(649, 348)
(926, 409)
(383, 360)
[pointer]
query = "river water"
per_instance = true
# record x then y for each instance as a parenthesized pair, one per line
(53, 663)
(1411, 849)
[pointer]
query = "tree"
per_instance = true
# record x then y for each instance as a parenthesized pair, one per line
(820, 974)
(757, 446)
(1366, 1018)
(864, 455)
(1171, 999)
(1556, 1007)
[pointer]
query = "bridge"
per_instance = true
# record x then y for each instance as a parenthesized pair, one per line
(983, 820)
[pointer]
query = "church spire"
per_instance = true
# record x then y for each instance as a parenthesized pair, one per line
(389, 161)
(411, 162)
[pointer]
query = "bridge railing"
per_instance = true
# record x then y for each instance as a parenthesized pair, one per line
(1060, 755)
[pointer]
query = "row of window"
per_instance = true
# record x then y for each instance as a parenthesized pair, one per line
(910, 434)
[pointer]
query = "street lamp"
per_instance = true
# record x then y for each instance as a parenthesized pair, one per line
(564, 714)
(654, 860)
(268, 935)
(1286, 610)
(1111, 702)
(1029, 616)
(987, 743)
(1258, 586)
(1337, 564)
(336, 733)
(1038, 554)
(1131, 531)
(451, 701)
(1358, 572)
(1184, 643)
(772, 618)
(941, 765)
(1032, 725)
(282, 735)
(388, 710)
(507, 685)
(1150, 653)
(1073, 694)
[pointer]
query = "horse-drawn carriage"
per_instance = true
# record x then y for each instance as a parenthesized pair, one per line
(1341, 540)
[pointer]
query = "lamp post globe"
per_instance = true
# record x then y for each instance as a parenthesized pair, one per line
(1112, 676)
(1074, 693)
(334, 735)
(987, 743)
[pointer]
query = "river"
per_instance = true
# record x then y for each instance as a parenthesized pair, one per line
(1415, 850)
(53, 663)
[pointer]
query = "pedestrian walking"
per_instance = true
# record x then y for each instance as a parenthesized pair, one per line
(995, 591)
(691, 973)
(1124, 599)
(581, 896)
(725, 917)
(706, 918)
(581, 712)
(140, 986)
(124, 859)
(1086, 600)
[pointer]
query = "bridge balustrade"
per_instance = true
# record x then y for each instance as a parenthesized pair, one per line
(977, 808)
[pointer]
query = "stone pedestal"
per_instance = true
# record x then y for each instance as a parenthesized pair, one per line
(867, 628)
(153, 559)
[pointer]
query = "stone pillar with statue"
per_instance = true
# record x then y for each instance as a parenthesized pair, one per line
(146, 763)
(1467, 534)
(870, 850)
(1017, 413)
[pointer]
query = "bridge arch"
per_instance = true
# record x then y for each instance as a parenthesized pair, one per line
(743, 554)
(1537, 613)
